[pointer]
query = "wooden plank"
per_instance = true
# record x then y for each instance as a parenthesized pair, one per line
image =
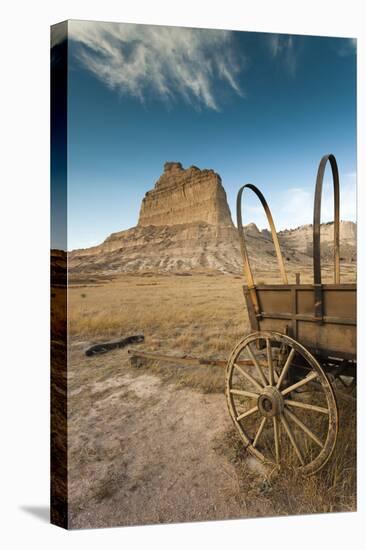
(310, 318)
(294, 311)
(307, 286)
(183, 359)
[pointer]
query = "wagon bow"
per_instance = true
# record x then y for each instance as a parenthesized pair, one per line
(318, 292)
(244, 252)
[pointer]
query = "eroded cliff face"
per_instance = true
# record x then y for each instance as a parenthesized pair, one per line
(301, 239)
(182, 196)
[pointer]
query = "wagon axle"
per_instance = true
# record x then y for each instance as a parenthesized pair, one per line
(270, 402)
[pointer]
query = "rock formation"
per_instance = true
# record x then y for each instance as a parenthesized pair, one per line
(185, 225)
(176, 248)
(185, 196)
(301, 239)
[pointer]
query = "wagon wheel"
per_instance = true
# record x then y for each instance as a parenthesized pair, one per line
(281, 403)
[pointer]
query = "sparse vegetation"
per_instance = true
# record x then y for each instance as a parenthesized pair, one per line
(203, 378)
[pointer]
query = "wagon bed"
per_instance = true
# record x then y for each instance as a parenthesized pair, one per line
(290, 309)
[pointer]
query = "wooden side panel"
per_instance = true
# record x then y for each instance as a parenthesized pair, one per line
(275, 301)
(330, 338)
(291, 308)
(340, 303)
(305, 302)
(278, 325)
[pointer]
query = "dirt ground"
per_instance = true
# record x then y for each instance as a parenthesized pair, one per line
(156, 444)
(143, 452)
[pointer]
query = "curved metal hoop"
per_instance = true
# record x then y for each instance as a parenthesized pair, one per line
(316, 222)
(243, 248)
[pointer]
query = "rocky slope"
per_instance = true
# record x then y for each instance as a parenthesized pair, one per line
(301, 238)
(185, 225)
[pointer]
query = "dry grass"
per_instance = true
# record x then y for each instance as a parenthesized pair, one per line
(200, 315)
(203, 378)
(187, 314)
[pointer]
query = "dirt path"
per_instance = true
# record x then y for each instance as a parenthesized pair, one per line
(141, 450)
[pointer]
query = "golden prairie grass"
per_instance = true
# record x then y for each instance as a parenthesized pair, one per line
(190, 311)
(199, 315)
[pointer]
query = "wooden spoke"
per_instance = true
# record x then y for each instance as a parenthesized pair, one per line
(270, 362)
(268, 358)
(292, 439)
(304, 427)
(276, 436)
(245, 393)
(285, 368)
(249, 377)
(247, 413)
(306, 406)
(302, 382)
(260, 430)
(257, 365)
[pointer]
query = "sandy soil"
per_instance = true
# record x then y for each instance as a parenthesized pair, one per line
(143, 451)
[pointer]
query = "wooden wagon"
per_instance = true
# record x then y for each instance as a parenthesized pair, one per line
(303, 337)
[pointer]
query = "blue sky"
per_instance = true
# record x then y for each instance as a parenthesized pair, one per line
(255, 107)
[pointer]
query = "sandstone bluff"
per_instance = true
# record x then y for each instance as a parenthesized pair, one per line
(185, 226)
(185, 196)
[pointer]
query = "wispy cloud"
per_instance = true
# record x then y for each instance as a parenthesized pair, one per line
(298, 208)
(170, 62)
(283, 47)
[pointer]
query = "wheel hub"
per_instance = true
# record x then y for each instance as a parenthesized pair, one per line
(270, 402)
